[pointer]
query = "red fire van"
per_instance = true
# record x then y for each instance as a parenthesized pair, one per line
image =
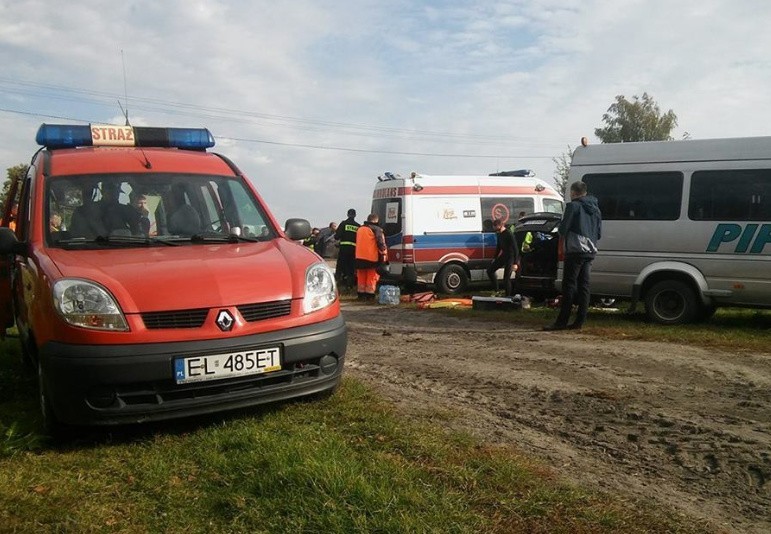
(148, 280)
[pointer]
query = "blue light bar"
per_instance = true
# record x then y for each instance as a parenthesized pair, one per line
(71, 136)
(63, 136)
(190, 138)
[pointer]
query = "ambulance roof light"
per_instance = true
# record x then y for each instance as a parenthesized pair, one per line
(72, 136)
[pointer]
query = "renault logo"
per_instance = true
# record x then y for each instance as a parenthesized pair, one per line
(225, 321)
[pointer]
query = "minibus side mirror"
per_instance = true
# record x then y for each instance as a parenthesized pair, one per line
(297, 229)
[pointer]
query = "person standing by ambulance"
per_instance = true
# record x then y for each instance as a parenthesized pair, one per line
(506, 255)
(345, 269)
(581, 229)
(370, 252)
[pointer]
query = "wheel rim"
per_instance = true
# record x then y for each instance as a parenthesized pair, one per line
(669, 305)
(453, 280)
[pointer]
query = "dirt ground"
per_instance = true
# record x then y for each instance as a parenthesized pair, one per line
(684, 426)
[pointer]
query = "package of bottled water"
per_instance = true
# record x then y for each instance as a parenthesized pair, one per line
(389, 295)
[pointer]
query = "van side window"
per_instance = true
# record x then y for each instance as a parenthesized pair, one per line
(634, 196)
(732, 195)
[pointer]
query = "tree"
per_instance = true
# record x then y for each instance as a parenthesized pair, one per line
(638, 120)
(561, 171)
(18, 172)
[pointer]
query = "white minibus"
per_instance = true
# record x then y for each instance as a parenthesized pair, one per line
(686, 224)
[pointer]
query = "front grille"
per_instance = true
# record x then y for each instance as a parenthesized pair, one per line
(265, 310)
(168, 392)
(175, 319)
(196, 318)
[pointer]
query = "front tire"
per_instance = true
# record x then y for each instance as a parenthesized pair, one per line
(452, 279)
(52, 427)
(671, 302)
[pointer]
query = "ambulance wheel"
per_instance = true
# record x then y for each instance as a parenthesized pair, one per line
(671, 302)
(452, 279)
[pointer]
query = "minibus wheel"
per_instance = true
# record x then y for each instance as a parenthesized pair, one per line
(671, 302)
(452, 279)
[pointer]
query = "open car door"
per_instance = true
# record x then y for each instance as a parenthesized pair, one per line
(538, 243)
(7, 222)
(6, 308)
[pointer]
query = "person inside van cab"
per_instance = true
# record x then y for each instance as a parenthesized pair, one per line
(139, 203)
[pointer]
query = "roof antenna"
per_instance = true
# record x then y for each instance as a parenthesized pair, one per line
(125, 89)
(147, 163)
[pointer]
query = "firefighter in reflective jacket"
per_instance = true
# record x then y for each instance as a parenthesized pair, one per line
(370, 252)
(345, 270)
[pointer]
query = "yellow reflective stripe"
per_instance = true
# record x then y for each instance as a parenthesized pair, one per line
(347, 243)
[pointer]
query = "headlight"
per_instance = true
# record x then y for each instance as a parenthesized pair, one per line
(88, 305)
(320, 289)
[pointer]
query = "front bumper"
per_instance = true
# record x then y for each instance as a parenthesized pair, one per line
(121, 384)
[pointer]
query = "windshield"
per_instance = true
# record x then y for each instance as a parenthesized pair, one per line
(136, 210)
(552, 206)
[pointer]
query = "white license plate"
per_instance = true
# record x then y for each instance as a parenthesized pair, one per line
(219, 366)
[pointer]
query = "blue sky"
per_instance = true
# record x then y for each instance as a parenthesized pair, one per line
(315, 99)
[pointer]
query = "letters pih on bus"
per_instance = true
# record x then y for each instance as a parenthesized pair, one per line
(749, 235)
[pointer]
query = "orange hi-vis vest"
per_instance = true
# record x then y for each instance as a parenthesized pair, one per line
(366, 244)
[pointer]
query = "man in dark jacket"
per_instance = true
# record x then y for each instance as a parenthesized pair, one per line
(506, 255)
(581, 229)
(345, 270)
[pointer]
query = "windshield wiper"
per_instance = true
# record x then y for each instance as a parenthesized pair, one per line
(116, 240)
(222, 238)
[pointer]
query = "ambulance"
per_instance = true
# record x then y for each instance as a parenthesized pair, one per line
(148, 280)
(439, 229)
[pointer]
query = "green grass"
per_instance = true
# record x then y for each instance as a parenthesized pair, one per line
(346, 464)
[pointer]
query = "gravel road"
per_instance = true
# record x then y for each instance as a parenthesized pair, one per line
(684, 426)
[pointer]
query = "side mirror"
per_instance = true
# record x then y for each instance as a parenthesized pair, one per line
(297, 229)
(8, 242)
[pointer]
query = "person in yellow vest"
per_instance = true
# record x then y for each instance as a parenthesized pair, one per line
(370, 252)
(345, 270)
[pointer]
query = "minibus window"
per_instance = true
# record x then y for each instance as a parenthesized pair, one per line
(731, 195)
(635, 196)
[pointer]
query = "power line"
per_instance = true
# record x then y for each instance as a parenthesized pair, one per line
(236, 115)
(373, 151)
(302, 145)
